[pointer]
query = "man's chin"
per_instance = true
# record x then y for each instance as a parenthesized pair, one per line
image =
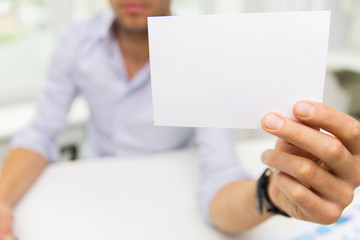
(133, 29)
(136, 24)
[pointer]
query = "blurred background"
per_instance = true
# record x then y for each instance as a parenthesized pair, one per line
(29, 29)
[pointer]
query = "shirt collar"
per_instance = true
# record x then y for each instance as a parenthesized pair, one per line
(104, 29)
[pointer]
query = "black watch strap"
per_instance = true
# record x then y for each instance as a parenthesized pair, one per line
(262, 196)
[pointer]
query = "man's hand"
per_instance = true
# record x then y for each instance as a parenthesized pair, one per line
(6, 220)
(316, 172)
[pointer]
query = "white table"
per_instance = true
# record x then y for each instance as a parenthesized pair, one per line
(148, 197)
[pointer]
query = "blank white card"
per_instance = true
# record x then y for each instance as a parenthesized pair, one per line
(230, 70)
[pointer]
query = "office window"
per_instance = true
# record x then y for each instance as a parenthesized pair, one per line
(24, 45)
(28, 32)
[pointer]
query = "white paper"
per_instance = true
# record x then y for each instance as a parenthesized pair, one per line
(230, 70)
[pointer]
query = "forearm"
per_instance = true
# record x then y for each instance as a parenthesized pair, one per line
(233, 209)
(20, 170)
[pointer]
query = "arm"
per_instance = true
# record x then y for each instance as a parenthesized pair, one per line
(20, 162)
(35, 145)
(233, 208)
(227, 195)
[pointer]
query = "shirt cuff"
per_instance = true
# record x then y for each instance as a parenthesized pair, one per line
(32, 139)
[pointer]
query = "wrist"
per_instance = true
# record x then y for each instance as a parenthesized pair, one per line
(263, 199)
(4, 201)
(5, 204)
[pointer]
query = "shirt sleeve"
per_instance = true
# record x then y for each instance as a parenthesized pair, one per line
(53, 102)
(218, 163)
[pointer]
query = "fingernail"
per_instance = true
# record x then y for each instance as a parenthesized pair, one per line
(305, 109)
(273, 122)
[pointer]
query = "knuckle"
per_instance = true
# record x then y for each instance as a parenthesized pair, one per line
(308, 171)
(357, 179)
(334, 149)
(356, 130)
(348, 196)
(299, 194)
(329, 116)
(332, 215)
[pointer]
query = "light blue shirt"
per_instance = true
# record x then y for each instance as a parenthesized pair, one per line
(88, 62)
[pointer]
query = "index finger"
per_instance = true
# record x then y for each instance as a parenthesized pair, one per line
(325, 147)
(341, 125)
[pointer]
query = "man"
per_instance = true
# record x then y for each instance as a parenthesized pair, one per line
(105, 59)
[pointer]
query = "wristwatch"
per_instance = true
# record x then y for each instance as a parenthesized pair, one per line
(262, 196)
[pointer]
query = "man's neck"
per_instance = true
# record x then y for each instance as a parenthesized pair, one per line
(135, 50)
